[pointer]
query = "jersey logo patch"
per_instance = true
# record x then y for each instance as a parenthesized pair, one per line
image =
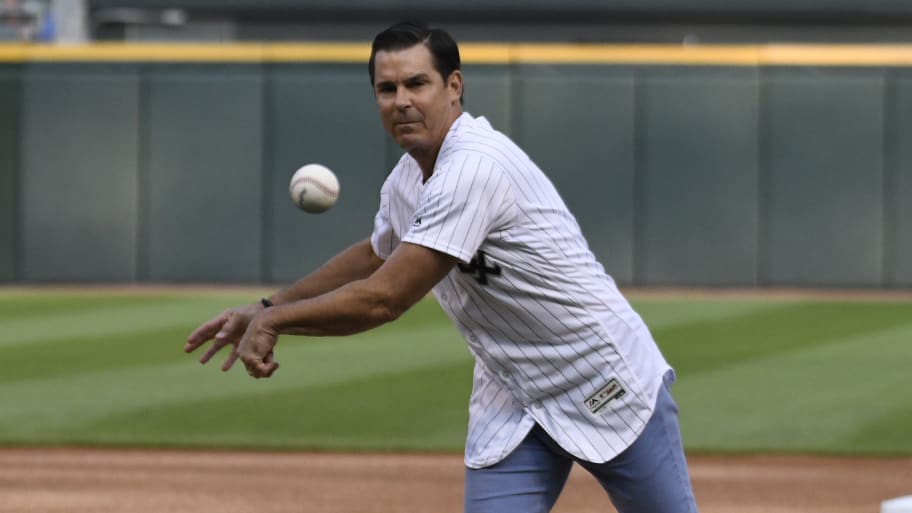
(416, 222)
(604, 396)
(479, 267)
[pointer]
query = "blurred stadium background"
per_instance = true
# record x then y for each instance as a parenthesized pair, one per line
(687, 163)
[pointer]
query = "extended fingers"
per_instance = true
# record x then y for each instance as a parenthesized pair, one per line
(205, 333)
(232, 326)
(216, 347)
(229, 362)
(227, 335)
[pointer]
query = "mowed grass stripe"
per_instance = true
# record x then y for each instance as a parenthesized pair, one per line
(75, 378)
(666, 313)
(135, 344)
(413, 409)
(880, 434)
(35, 306)
(706, 345)
(64, 358)
(103, 318)
(35, 406)
(754, 375)
(833, 398)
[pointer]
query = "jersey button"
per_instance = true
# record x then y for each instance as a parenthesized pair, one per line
(537, 405)
(473, 338)
(504, 375)
(443, 297)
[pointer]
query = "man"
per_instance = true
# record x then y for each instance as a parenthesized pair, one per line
(565, 369)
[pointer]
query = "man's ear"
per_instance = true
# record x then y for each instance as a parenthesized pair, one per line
(454, 85)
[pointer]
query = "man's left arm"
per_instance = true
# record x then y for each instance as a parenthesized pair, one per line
(409, 273)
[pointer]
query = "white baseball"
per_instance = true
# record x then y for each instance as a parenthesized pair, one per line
(314, 188)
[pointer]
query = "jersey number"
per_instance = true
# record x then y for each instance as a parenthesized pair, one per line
(479, 267)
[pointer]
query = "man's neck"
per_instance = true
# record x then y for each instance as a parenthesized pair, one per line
(427, 159)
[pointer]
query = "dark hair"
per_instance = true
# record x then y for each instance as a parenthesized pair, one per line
(406, 34)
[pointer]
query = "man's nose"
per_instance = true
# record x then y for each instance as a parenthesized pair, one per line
(403, 98)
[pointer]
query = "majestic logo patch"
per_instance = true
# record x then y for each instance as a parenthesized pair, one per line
(416, 222)
(603, 396)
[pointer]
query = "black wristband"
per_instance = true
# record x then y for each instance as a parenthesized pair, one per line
(266, 303)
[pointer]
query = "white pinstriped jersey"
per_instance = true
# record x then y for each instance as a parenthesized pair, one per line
(554, 341)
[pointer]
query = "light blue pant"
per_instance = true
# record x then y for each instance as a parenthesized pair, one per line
(649, 477)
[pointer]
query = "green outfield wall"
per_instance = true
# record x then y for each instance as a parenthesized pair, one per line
(10, 102)
(718, 166)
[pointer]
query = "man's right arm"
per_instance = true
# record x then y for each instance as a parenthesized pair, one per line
(354, 263)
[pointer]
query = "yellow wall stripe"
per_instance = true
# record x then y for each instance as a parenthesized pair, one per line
(639, 54)
(843, 55)
(475, 53)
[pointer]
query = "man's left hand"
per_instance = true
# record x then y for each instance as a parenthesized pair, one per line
(256, 348)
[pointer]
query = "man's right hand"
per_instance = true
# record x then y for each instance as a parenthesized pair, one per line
(226, 329)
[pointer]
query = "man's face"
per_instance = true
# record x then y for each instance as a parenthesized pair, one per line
(417, 106)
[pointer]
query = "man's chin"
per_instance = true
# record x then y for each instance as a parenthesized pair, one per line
(408, 142)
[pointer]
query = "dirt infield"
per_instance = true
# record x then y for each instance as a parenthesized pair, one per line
(143, 481)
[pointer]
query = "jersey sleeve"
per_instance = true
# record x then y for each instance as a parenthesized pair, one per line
(383, 238)
(460, 205)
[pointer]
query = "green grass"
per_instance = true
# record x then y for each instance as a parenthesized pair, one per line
(754, 375)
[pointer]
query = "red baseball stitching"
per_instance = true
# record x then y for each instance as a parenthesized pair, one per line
(319, 185)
